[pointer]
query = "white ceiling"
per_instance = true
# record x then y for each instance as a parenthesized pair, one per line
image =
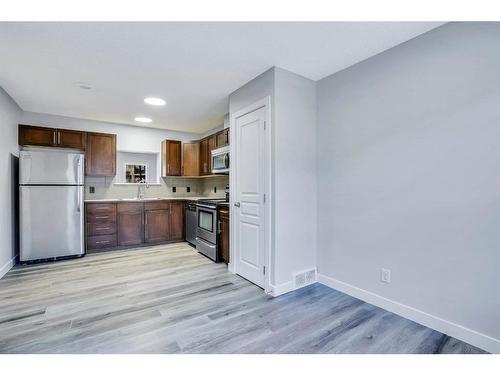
(193, 66)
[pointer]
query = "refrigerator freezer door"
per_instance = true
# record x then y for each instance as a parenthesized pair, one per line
(51, 221)
(50, 167)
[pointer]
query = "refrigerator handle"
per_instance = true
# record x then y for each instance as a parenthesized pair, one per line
(78, 170)
(79, 182)
(78, 199)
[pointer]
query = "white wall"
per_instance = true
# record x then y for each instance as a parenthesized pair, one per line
(409, 179)
(294, 142)
(293, 127)
(10, 114)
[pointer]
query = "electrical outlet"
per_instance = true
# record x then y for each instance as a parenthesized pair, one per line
(174, 189)
(188, 189)
(91, 189)
(385, 275)
(215, 189)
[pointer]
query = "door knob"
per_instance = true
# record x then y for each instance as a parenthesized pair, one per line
(236, 204)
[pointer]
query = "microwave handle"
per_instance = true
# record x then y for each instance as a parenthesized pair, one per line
(226, 160)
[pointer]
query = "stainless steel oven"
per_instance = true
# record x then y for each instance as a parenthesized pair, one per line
(207, 231)
(220, 160)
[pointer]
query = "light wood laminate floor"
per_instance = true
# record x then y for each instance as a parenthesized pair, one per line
(170, 299)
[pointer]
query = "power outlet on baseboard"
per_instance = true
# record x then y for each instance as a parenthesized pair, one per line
(385, 275)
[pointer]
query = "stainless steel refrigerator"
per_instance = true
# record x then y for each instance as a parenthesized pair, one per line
(51, 189)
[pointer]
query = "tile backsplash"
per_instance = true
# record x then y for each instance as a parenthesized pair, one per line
(105, 188)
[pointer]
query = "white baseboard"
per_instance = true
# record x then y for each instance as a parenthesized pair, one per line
(289, 286)
(278, 290)
(472, 337)
(7, 266)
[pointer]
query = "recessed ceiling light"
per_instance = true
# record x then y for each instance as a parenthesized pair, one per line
(154, 101)
(143, 119)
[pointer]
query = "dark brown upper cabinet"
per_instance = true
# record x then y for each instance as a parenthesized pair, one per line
(100, 154)
(171, 153)
(222, 138)
(37, 136)
(191, 159)
(204, 157)
(50, 137)
(71, 139)
(212, 141)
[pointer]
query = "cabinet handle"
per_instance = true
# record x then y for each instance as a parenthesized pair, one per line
(101, 242)
(58, 137)
(54, 137)
(168, 168)
(102, 228)
(102, 217)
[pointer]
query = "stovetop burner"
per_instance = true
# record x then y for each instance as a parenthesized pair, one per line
(212, 202)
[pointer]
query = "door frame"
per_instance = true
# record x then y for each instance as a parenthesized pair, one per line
(266, 104)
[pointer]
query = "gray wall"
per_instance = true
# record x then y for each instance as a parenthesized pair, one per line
(10, 114)
(409, 178)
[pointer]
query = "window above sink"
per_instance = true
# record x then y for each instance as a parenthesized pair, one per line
(134, 167)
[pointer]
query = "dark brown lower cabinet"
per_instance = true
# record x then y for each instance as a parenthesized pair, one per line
(130, 222)
(156, 226)
(176, 221)
(224, 234)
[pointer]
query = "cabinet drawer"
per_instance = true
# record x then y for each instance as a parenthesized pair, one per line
(101, 208)
(132, 207)
(161, 205)
(98, 242)
(98, 229)
(101, 217)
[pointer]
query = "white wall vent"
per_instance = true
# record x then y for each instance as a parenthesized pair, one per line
(305, 278)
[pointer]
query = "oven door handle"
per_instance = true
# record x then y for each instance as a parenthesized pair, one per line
(212, 246)
(203, 206)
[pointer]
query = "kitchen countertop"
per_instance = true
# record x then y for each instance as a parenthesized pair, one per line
(112, 200)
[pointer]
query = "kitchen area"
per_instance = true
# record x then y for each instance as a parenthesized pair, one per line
(101, 199)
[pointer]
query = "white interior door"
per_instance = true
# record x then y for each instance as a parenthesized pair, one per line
(249, 202)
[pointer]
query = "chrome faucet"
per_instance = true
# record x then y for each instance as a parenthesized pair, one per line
(140, 191)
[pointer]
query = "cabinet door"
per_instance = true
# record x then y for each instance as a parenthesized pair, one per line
(37, 136)
(156, 226)
(71, 139)
(222, 138)
(224, 236)
(100, 155)
(211, 146)
(171, 158)
(176, 221)
(130, 224)
(191, 159)
(204, 157)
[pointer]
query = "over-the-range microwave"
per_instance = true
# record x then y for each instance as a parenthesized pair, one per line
(220, 160)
